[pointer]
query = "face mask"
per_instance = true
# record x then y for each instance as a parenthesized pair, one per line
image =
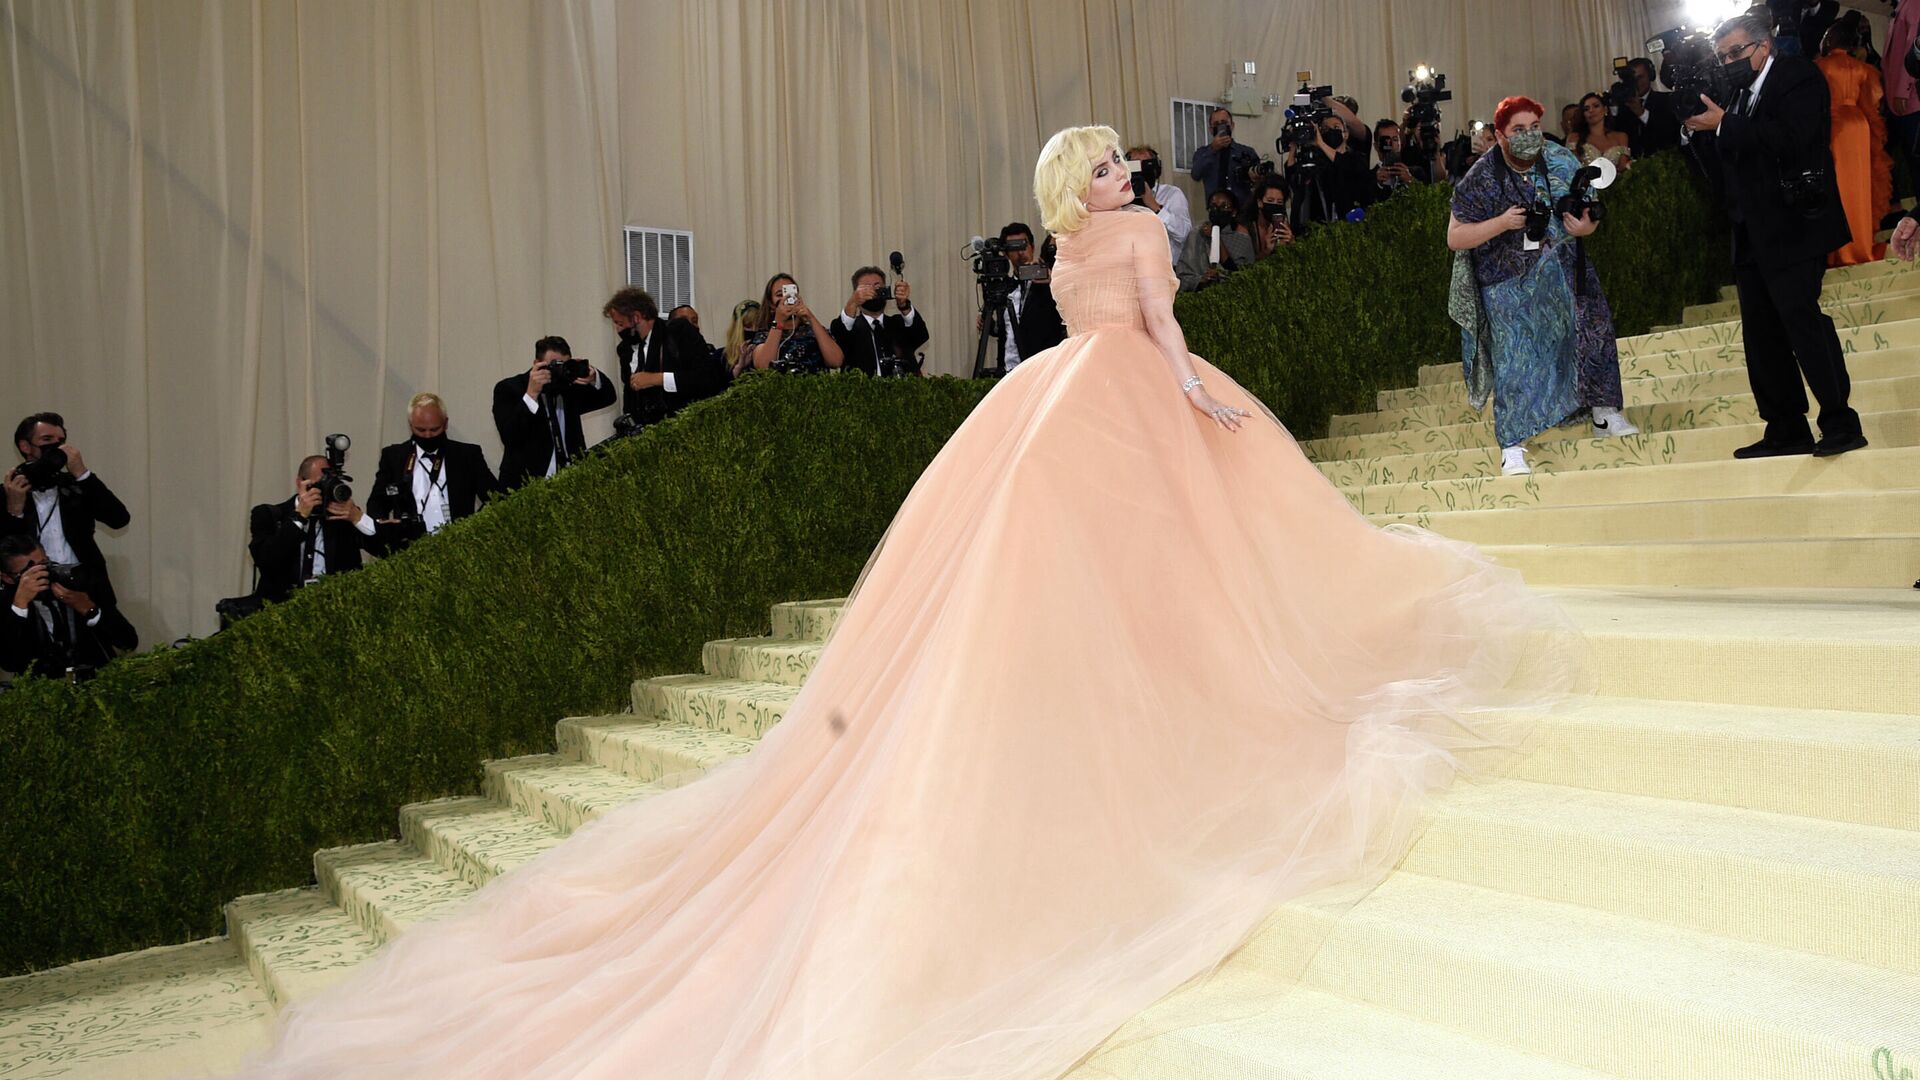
(874, 304)
(1526, 145)
(1334, 137)
(1220, 215)
(431, 444)
(630, 335)
(1740, 73)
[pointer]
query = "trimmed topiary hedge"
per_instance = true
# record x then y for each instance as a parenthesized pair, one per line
(135, 805)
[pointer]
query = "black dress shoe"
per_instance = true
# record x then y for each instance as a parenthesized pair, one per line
(1763, 448)
(1838, 444)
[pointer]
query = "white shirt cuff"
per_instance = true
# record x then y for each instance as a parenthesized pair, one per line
(83, 476)
(907, 316)
(846, 320)
(533, 404)
(666, 382)
(20, 611)
(365, 524)
(94, 619)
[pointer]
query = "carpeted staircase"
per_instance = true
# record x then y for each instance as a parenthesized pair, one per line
(1712, 870)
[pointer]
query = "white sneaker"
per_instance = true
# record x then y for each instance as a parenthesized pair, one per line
(1608, 423)
(1513, 461)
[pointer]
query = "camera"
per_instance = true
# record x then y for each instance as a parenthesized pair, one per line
(1622, 90)
(333, 483)
(44, 471)
(564, 372)
(1582, 196)
(1805, 191)
(1303, 119)
(67, 575)
(401, 502)
(1537, 217)
(1146, 174)
(883, 293)
(1688, 65)
(1425, 89)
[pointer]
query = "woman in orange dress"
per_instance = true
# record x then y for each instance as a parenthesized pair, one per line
(1861, 166)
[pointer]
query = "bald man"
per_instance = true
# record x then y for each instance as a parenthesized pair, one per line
(428, 480)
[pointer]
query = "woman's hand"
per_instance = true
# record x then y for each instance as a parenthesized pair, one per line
(1226, 416)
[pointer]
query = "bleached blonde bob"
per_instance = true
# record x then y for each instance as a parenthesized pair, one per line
(1064, 173)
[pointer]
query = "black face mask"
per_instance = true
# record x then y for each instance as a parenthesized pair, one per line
(1334, 137)
(875, 304)
(1740, 73)
(1220, 215)
(431, 444)
(630, 336)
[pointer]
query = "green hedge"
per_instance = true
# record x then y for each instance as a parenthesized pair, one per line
(1319, 327)
(135, 805)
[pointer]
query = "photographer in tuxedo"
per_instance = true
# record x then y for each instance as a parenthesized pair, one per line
(57, 500)
(538, 413)
(665, 365)
(428, 480)
(869, 339)
(1033, 323)
(54, 625)
(299, 540)
(1776, 176)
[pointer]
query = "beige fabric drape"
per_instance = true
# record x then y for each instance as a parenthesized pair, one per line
(228, 228)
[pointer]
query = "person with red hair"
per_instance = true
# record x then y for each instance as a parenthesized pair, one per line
(1536, 332)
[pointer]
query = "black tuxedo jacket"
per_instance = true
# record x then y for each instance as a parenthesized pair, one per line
(1661, 131)
(277, 536)
(1038, 326)
(27, 641)
(469, 480)
(675, 347)
(84, 504)
(524, 433)
(1788, 132)
(862, 351)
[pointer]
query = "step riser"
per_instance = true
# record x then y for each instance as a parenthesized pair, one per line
(647, 760)
(785, 665)
(295, 943)
(805, 620)
(388, 888)
(477, 855)
(1838, 294)
(1853, 676)
(1699, 405)
(747, 717)
(1728, 379)
(1865, 563)
(1858, 472)
(1856, 917)
(1857, 315)
(1785, 517)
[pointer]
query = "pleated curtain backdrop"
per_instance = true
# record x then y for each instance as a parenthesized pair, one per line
(229, 228)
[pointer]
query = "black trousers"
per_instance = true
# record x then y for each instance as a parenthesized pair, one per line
(1789, 338)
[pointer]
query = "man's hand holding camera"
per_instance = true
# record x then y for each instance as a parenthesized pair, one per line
(538, 377)
(1708, 120)
(1584, 225)
(308, 500)
(902, 296)
(18, 488)
(34, 580)
(1394, 173)
(862, 293)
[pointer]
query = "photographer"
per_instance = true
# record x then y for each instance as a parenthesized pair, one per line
(538, 414)
(1223, 163)
(1423, 151)
(1776, 175)
(428, 480)
(1168, 202)
(299, 540)
(1267, 217)
(1032, 321)
(1393, 173)
(791, 339)
(53, 625)
(664, 366)
(1218, 248)
(1659, 124)
(57, 500)
(1322, 180)
(1536, 332)
(876, 343)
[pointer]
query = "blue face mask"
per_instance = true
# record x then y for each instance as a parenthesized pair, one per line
(1526, 145)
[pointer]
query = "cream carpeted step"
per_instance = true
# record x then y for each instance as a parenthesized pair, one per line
(1704, 392)
(1552, 455)
(296, 942)
(743, 709)
(1598, 989)
(1853, 649)
(388, 887)
(1766, 517)
(1853, 767)
(781, 661)
(1860, 316)
(806, 620)
(474, 837)
(1638, 387)
(1884, 287)
(1860, 471)
(177, 1010)
(559, 791)
(1309, 1035)
(1847, 891)
(1867, 562)
(645, 748)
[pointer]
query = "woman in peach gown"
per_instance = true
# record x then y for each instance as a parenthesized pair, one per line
(1125, 673)
(1861, 166)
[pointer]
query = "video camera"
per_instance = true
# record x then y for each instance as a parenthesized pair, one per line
(1301, 131)
(1622, 90)
(333, 483)
(1145, 175)
(1425, 89)
(1687, 64)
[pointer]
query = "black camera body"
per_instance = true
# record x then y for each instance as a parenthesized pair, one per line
(991, 266)
(43, 472)
(1423, 97)
(1687, 64)
(1582, 197)
(1805, 191)
(1302, 127)
(883, 293)
(565, 371)
(333, 483)
(69, 577)
(1537, 217)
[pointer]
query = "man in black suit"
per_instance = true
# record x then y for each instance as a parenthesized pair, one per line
(665, 365)
(1776, 174)
(428, 480)
(1032, 319)
(1659, 125)
(538, 414)
(51, 626)
(55, 499)
(298, 541)
(868, 338)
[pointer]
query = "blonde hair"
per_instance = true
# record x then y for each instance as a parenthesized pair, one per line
(746, 319)
(1064, 173)
(426, 400)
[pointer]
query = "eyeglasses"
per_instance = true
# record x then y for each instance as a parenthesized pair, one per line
(1738, 52)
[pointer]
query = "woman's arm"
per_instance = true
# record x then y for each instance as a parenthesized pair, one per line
(830, 353)
(765, 352)
(1157, 286)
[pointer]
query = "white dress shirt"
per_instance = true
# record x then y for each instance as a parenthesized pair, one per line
(430, 489)
(1175, 216)
(365, 525)
(560, 422)
(874, 321)
(52, 530)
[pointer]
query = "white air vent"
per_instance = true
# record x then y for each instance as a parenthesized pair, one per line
(661, 262)
(1189, 130)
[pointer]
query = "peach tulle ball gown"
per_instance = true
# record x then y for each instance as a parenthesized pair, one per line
(1115, 684)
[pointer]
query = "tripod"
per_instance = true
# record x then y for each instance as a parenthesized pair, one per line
(993, 313)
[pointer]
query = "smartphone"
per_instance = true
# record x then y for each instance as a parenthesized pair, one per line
(790, 293)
